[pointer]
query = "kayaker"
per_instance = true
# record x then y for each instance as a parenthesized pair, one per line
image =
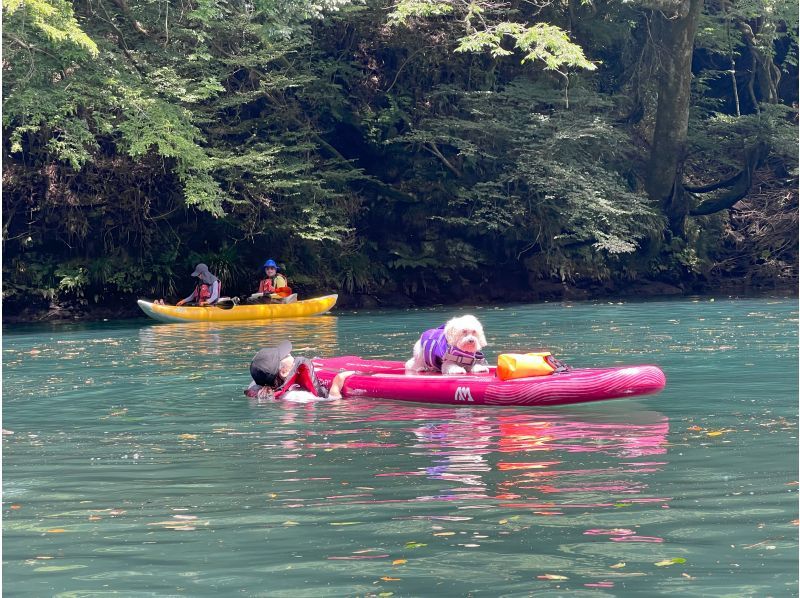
(275, 372)
(207, 290)
(273, 282)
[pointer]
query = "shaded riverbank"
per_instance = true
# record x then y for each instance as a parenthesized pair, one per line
(124, 307)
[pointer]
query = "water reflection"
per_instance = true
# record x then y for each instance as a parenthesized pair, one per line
(312, 336)
(545, 462)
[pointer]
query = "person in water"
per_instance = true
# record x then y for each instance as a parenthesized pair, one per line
(273, 284)
(207, 290)
(276, 372)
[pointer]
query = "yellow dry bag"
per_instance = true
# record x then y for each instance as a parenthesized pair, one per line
(517, 365)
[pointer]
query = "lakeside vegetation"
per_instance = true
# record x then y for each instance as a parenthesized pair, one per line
(416, 151)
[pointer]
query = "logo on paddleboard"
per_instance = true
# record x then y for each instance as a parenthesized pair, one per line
(463, 394)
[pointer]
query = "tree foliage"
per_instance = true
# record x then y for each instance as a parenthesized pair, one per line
(412, 147)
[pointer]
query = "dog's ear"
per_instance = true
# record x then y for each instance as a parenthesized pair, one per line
(481, 336)
(451, 331)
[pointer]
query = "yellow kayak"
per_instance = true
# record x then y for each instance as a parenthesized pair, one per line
(262, 311)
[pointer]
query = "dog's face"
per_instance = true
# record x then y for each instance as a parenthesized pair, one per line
(465, 333)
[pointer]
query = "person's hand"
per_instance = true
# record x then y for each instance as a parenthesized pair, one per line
(181, 302)
(203, 303)
(265, 393)
(335, 391)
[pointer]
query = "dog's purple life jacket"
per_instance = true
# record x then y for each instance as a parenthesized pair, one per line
(435, 350)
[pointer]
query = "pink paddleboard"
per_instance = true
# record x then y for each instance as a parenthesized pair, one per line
(388, 380)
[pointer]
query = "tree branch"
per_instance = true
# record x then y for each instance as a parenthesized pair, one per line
(729, 182)
(672, 9)
(402, 66)
(123, 6)
(121, 40)
(739, 183)
(431, 147)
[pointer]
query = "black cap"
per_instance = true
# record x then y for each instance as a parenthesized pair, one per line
(267, 362)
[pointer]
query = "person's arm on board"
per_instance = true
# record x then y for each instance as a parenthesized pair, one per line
(335, 391)
(189, 298)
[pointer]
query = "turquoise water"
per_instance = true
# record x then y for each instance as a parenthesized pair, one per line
(133, 465)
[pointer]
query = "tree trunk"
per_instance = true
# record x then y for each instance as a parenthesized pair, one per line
(765, 73)
(676, 33)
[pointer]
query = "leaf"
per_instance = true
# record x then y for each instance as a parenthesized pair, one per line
(668, 562)
(617, 531)
(619, 565)
(390, 578)
(56, 530)
(399, 562)
(415, 545)
(600, 584)
(187, 436)
(551, 577)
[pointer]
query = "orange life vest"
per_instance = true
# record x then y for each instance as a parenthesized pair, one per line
(268, 286)
(203, 292)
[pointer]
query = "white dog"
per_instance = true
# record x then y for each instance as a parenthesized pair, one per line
(454, 348)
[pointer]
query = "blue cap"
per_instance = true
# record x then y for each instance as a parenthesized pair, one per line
(269, 263)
